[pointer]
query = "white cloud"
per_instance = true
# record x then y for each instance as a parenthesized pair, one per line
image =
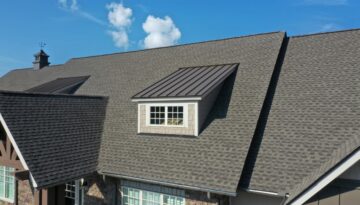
(326, 2)
(72, 6)
(120, 38)
(329, 27)
(160, 32)
(119, 16)
(120, 19)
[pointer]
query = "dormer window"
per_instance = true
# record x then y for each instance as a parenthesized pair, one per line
(167, 115)
(179, 103)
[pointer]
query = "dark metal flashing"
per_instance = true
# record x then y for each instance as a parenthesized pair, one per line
(261, 124)
(60, 85)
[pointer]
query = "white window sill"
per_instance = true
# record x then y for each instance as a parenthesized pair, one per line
(6, 200)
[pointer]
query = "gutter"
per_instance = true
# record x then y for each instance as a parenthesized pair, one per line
(234, 194)
(285, 198)
(265, 193)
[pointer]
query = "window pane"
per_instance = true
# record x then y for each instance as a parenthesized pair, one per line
(165, 199)
(175, 115)
(2, 181)
(125, 191)
(157, 115)
(2, 191)
(125, 200)
(7, 181)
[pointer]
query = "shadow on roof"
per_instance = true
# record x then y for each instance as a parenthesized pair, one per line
(221, 106)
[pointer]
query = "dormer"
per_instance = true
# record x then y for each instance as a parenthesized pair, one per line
(179, 103)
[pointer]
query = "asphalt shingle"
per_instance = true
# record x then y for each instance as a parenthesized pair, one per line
(58, 135)
(214, 160)
(314, 118)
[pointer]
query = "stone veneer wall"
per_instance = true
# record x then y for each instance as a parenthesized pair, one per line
(189, 130)
(200, 198)
(25, 193)
(100, 191)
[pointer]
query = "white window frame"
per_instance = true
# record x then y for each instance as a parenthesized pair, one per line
(7, 199)
(166, 105)
(141, 194)
(78, 192)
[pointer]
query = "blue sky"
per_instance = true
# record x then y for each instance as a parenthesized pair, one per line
(75, 28)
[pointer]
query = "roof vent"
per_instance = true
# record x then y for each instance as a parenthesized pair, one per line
(41, 60)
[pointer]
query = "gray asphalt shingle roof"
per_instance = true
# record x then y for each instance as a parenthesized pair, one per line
(314, 119)
(58, 135)
(312, 125)
(60, 85)
(195, 81)
(212, 161)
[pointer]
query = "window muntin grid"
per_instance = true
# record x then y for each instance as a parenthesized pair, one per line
(70, 190)
(132, 196)
(7, 183)
(175, 115)
(157, 115)
(166, 115)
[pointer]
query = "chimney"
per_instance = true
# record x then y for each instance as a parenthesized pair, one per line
(41, 60)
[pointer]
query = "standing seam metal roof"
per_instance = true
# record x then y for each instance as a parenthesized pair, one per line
(189, 82)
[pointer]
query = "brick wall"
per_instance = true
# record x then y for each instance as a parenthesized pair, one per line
(188, 130)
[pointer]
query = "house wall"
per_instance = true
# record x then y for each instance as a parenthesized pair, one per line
(189, 130)
(339, 192)
(352, 173)
(25, 193)
(100, 191)
(245, 198)
(108, 191)
(206, 104)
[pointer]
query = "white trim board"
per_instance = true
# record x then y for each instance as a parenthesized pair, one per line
(12, 140)
(166, 105)
(167, 99)
(329, 177)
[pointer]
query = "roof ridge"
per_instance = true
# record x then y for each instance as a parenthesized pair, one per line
(50, 94)
(323, 33)
(179, 45)
(29, 68)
